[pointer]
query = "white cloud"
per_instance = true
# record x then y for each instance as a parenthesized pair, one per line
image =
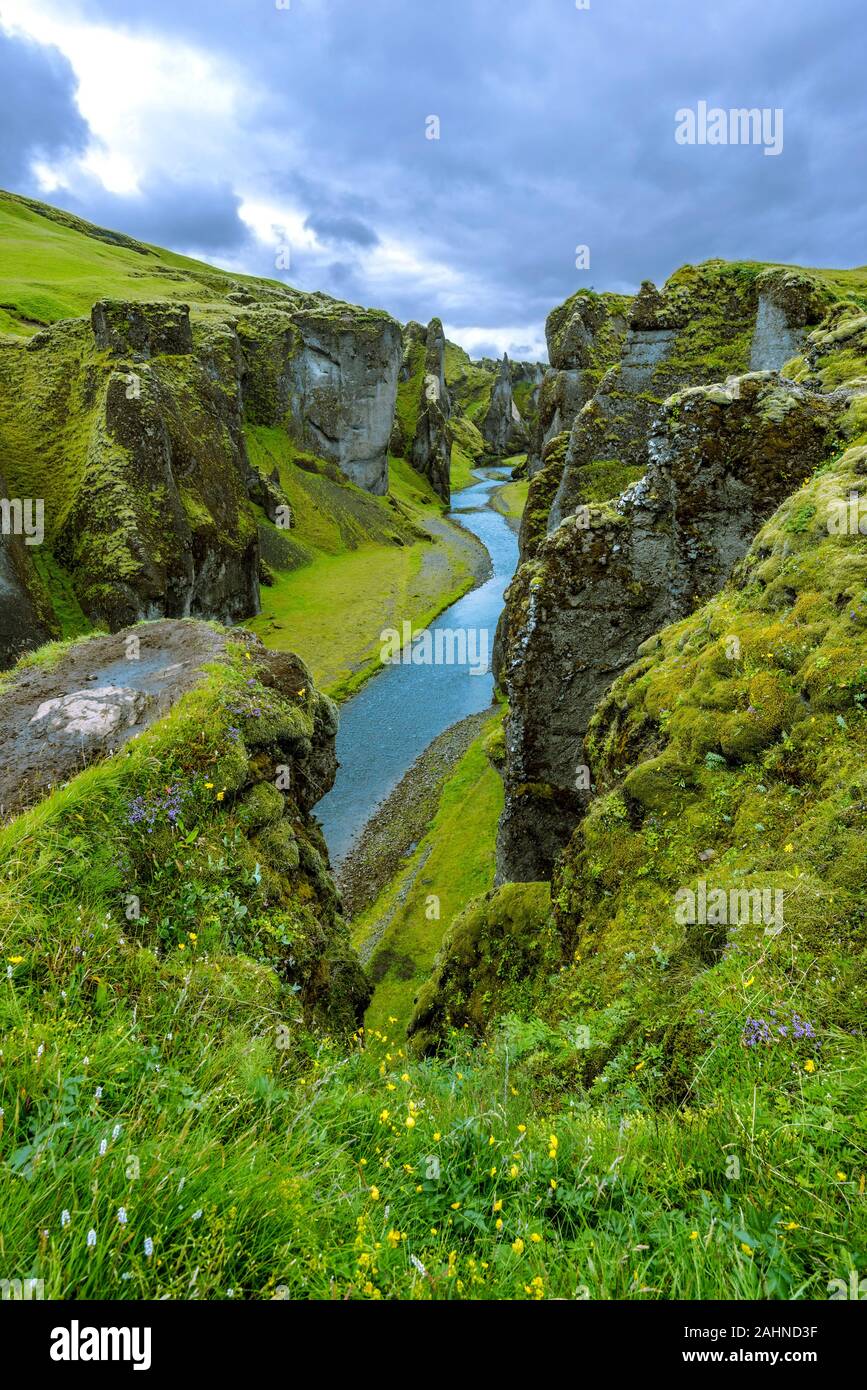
(523, 343)
(154, 106)
(273, 224)
(170, 112)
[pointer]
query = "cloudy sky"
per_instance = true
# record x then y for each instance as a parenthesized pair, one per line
(290, 138)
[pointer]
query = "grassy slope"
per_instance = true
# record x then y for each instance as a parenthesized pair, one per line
(365, 559)
(353, 565)
(454, 863)
(54, 268)
(510, 500)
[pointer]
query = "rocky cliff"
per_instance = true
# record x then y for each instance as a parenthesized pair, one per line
(727, 760)
(421, 433)
(503, 427)
(662, 483)
(128, 424)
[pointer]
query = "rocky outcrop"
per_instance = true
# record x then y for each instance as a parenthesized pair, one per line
(430, 453)
(502, 428)
(344, 390)
(131, 426)
(327, 374)
(706, 323)
(612, 574)
(617, 362)
(790, 303)
(421, 431)
(248, 753)
(584, 337)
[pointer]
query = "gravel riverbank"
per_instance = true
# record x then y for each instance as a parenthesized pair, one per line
(400, 822)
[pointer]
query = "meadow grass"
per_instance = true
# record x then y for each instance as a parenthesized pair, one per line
(161, 1090)
(354, 565)
(452, 864)
(511, 500)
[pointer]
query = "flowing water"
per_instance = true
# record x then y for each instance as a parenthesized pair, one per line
(393, 718)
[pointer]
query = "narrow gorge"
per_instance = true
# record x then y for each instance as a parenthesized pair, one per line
(368, 714)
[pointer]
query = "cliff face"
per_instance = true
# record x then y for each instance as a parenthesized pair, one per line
(728, 763)
(644, 512)
(24, 616)
(344, 388)
(503, 428)
(584, 337)
(421, 432)
(128, 425)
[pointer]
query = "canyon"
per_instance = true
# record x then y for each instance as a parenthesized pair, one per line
(316, 895)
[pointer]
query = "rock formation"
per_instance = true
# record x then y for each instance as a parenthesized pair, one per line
(264, 760)
(503, 428)
(130, 426)
(421, 431)
(600, 575)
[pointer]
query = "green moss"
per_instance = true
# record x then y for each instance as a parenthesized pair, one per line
(469, 386)
(604, 479)
(205, 886)
(73, 622)
(489, 953)
(736, 745)
(409, 396)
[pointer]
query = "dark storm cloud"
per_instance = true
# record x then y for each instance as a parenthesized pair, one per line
(556, 129)
(194, 217)
(342, 229)
(40, 118)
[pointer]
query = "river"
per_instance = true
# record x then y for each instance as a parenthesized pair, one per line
(394, 717)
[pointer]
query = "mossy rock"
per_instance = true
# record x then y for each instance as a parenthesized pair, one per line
(261, 805)
(279, 846)
(491, 951)
(660, 783)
